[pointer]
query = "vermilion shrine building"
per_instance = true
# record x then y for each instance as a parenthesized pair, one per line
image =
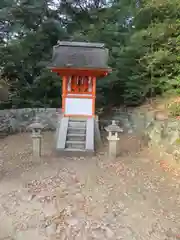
(79, 65)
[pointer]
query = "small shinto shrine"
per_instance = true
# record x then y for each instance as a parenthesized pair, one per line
(79, 64)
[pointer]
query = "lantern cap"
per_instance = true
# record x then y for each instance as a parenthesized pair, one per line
(113, 127)
(36, 124)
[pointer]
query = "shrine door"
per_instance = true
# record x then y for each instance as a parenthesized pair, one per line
(79, 96)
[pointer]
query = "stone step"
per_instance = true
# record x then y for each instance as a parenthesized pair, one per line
(79, 119)
(77, 130)
(76, 153)
(75, 144)
(77, 124)
(76, 137)
(74, 150)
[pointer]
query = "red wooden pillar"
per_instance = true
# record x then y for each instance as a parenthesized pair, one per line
(64, 92)
(93, 95)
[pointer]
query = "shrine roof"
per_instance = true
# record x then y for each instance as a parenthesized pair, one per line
(79, 55)
(80, 44)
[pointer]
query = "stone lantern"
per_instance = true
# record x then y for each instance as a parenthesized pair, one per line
(36, 128)
(113, 131)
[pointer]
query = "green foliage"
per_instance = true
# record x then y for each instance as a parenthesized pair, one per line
(143, 41)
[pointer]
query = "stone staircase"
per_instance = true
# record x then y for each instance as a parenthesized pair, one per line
(76, 135)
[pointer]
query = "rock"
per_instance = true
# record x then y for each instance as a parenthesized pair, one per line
(49, 209)
(138, 121)
(59, 229)
(109, 233)
(51, 230)
(155, 132)
(28, 235)
(79, 197)
(62, 236)
(25, 196)
(130, 131)
(160, 116)
(72, 221)
(172, 137)
(43, 195)
(176, 154)
(98, 234)
(14, 124)
(6, 226)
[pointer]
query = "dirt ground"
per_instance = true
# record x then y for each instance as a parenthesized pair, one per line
(55, 198)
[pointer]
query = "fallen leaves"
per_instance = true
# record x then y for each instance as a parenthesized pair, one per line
(103, 201)
(167, 167)
(118, 168)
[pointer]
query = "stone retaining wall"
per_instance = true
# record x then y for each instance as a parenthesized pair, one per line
(133, 121)
(165, 134)
(161, 133)
(17, 120)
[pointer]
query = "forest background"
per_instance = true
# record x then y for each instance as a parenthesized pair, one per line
(143, 38)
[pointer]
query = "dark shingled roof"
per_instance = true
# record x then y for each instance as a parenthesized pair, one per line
(79, 55)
